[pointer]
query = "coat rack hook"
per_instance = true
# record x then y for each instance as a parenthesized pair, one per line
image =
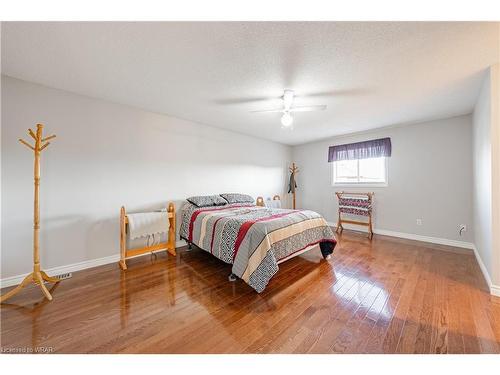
(26, 144)
(32, 134)
(45, 145)
(49, 137)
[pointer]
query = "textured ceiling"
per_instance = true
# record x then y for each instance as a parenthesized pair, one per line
(369, 74)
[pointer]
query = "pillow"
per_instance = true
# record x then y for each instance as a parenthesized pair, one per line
(237, 198)
(207, 200)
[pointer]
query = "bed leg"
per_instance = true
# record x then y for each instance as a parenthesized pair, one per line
(190, 247)
(326, 249)
(232, 277)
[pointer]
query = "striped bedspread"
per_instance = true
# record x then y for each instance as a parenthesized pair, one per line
(254, 239)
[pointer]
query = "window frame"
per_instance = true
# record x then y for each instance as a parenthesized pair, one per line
(361, 184)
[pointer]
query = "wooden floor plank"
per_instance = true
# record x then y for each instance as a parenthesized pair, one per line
(382, 296)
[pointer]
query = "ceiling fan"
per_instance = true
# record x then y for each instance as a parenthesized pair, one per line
(288, 108)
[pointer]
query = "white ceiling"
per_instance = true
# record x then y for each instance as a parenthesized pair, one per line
(369, 74)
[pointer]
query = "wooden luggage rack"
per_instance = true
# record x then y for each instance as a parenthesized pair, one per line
(129, 253)
(360, 204)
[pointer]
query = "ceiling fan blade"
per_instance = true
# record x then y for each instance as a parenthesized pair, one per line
(269, 111)
(308, 108)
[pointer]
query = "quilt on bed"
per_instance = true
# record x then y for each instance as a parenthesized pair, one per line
(254, 239)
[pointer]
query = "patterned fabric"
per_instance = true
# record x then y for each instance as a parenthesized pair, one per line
(355, 206)
(207, 200)
(354, 211)
(298, 241)
(188, 209)
(237, 198)
(252, 238)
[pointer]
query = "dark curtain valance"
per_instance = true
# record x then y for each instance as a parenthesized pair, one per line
(374, 148)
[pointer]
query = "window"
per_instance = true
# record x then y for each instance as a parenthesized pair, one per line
(361, 163)
(371, 171)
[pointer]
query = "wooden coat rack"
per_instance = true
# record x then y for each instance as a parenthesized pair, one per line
(293, 170)
(37, 276)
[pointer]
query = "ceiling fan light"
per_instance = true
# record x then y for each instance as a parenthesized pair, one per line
(288, 99)
(286, 119)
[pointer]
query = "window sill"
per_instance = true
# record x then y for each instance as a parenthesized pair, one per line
(361, 185)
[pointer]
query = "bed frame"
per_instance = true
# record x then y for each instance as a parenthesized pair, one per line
(260, 201)
(129, 253)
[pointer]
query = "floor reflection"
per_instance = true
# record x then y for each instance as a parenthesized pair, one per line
(33, 311)
(354, 302)
(356, 293)
(132, 291)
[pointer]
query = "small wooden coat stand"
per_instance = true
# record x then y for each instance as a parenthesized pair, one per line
(37, 276)
(293, 170)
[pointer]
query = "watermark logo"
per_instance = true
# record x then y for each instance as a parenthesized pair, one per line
(27, 350)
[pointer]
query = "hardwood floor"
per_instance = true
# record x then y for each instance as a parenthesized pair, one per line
(384, 296)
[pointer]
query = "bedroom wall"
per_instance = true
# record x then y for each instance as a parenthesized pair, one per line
(495, 177)
(430, 178)
(107, 155)
(486, 193)
(482, 193)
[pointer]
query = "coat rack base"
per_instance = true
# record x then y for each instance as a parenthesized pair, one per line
(37, 277)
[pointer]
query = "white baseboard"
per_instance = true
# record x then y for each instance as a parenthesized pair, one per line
(435, 240)
(484, 270)
(410, 236)
(494, 289)
(15, 280)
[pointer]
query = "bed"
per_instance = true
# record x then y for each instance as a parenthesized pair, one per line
(252, 238)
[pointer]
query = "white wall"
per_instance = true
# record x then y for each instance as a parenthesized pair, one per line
(430, 177)
(107, 155)
(495, 176)
(482, 193)
(486, 154)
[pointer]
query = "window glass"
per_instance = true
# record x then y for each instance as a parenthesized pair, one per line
(362, 171)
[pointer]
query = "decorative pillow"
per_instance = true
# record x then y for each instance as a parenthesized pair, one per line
(207, 200)
(237, 198)
(218, 200)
